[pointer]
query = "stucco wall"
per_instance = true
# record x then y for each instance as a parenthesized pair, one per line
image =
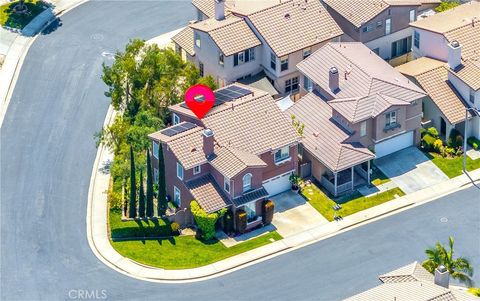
(273, 170)
(432, 44)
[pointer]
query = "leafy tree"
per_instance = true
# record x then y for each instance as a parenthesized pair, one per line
(446, 5)
(141, 197)
(149, 186)
(162, 193)
(132, 210)
(458, 268)
(474, 291)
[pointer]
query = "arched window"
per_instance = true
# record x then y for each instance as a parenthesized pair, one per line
(247, 182)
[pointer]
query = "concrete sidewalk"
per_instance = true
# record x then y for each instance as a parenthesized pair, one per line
(97, 230)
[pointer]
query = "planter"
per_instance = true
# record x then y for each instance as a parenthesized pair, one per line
(295, 188)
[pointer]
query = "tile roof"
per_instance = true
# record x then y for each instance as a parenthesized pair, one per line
(443, 94)
(207, 7)
(294, 25)
(411, 282)
(231, 34)
(185, 40)
(450, 19)
(207, 193)
(261, 82)
(230, 162)
(469, 72)
(419, 66)
(250, 196)
(467, 35)
(187, 146)
(362, 108)
(361, 72)
(324, 138)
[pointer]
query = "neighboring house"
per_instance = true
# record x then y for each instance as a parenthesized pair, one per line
(240, 153)
(184, 45)
(206, 8)
(382, 25)
(413, 282)
(257, 42)
(451, 40)
(357, 105)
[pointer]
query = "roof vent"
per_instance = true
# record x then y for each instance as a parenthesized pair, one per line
(287, 16)
(207, 132)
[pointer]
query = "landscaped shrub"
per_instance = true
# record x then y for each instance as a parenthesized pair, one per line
(433, 132)
(241, 220)
(228, 222)
(267, 213)
(437, 145)
(422, 132)
(455, 139)
(205, 221)
(427, 142)
(174, 227)
(474, 142)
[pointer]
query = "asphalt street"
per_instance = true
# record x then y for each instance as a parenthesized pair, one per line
(47, 153)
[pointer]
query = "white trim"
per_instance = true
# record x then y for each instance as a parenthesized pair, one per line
(227, 181)
(416, 116)
(199, 169)
(174, 119)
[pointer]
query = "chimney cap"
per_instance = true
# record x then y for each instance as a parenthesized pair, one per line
(455, 44)
(333, 70)
(442, 269)
(207, 132)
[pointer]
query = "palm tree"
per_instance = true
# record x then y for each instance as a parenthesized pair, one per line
(458, 268)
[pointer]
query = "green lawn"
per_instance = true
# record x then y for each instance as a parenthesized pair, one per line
(350, 204)
(177, 252)
(16, 20)
(453, 167)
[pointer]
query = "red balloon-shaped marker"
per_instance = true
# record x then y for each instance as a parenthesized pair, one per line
(199, 99)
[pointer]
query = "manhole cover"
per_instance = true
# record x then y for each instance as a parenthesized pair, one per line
(97, 36)
(444, 219)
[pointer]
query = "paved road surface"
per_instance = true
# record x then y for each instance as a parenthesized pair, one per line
(47, 152)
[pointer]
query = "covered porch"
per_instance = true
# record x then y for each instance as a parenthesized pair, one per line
(338, 182)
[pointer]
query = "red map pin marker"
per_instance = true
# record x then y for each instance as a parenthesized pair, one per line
(199, 99)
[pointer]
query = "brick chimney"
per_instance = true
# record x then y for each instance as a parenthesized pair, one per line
(333, 79)
(208, 142)
(454, 54)
(442, 277)
(219, 10)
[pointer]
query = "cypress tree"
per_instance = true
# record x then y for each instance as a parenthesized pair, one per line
(149, 186)
(162, 194)
(132, 210)
(141, 198)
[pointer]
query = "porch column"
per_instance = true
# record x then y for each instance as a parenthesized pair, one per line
(335, 183)
(353, 180)
(368, 173)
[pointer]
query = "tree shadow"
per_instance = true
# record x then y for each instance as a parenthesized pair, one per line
(18, 20)
(53, 26)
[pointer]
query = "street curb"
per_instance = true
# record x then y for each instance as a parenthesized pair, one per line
(234, 263)
(18, 66)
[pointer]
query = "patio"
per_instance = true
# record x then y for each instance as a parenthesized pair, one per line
(346, 180)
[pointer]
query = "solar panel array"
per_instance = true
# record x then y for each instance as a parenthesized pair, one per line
(225, 95)
(180, 128)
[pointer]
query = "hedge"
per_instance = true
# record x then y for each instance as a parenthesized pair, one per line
(268, 209)
(205, 221)
(241, 220)
(474, 142)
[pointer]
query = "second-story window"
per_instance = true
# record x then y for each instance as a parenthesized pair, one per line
(197, 40)
(363, 128)
(155, 149)
(291, 85)
(196, 170)
(412, 15)
(179, 171)
(391, 119)
(307, 83)
(307, 52)
(175, 119)
(284, 63)
(221, 59)
(388, 26)
(416, 39)
(244, 57)
(368, 28)
(273, 61)
(247, 182)
(282, 154)
(226, 184)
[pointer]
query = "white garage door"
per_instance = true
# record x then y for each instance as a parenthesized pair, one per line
(278, 184)
(394, 144)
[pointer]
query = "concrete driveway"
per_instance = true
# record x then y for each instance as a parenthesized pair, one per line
(293, 214)
(410, 169)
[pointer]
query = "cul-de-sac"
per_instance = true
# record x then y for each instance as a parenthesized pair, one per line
(239, 150)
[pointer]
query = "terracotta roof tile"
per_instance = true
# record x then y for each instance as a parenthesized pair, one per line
(324, 138)
(294, 25)
(469, 73)
(230, 162)
(467, 35)
(207, 193)
(207, 7)
(250, 196)
(419, 66)
(185, 40)
(231, 35)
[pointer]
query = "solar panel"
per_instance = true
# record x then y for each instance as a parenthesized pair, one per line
(225, 95)
(172, 131)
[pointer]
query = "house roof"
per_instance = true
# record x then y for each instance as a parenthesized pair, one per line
(362, 108)
(435, 82)
(469, 72)
(419, 66)
(467, 35)
(451, 19)
(411, 282)
(361, 72)
(230, 161)
(185, 40)
(293, 25)
(261, 82)
(231, 34)
(207, 7)
(360, 12)
(324, 138)
(207, 193)
(250, 196)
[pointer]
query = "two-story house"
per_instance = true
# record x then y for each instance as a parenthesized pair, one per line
(240, 153)
(358, 107)
(448, 68)
(382, 25)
